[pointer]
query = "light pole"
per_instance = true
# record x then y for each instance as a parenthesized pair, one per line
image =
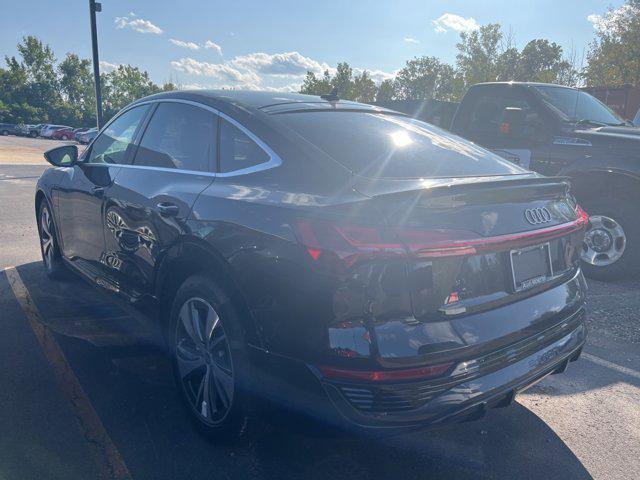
(93, 8)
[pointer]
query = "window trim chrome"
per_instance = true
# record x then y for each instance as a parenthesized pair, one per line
(273, 162)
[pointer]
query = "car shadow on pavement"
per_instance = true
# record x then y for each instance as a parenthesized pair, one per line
(125, 374)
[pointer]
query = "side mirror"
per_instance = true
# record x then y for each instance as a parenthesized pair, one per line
(64, 156)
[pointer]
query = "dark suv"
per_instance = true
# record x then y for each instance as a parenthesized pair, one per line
(336, 258)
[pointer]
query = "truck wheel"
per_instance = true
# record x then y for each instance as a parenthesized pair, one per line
(611, 247)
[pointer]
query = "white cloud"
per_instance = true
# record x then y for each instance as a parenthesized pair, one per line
(209, 45)
(451, 21)
(595, 19)
(608, 22)
(220, 71)
(213, 46)
(183, 44)
(262, 71)
(292, 87)
(378, 76)
(288, 64)
(137, 24)
(411, 40)
(107, 66)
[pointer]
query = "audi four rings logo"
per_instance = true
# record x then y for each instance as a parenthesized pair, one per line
(536, 216)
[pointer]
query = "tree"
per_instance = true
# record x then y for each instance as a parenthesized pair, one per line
(360, 88)
(541, 61)
(479, 53)
(424, 78)
(77, 89)
(614, 56)
(386, 91)
(314, 86)
(363, 88)
(124, 85)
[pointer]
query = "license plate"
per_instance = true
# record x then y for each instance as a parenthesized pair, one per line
(531, 266)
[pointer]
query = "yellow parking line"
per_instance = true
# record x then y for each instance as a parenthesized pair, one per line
(107, 456)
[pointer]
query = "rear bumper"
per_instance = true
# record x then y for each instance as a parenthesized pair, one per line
(471, 397)
(301, 388)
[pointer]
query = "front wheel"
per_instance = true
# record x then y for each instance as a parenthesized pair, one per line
(51, 256)
(210, 360)
(64, 137)
(611, 247)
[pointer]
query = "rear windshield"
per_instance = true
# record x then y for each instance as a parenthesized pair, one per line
(389, 146)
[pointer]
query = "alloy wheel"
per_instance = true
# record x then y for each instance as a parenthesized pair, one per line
(46, 236)
(604, 242)
(204, 361)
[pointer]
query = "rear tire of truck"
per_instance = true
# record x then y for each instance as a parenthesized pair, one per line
(611, 248)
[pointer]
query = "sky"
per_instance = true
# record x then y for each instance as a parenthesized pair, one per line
(270, 44)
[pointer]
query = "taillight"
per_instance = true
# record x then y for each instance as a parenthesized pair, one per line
(583, 217)
(352, 242)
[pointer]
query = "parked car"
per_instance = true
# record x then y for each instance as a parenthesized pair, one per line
(78, 131)
(47, 130)
(348, 261)
(64, 133)
(8, 129)
(86, 136)
(558, 130)
(27, 130)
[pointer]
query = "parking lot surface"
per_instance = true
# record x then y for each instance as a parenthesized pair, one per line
(86, 392)
(26, 150)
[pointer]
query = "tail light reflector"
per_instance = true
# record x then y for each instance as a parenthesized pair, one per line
(385, 375)
(351, 242)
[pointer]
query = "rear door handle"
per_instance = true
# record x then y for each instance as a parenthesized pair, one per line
(168, 209)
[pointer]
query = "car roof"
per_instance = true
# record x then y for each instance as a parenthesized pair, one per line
(522, 84)
(259, 100)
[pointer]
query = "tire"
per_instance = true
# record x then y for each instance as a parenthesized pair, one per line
(616, 217)
(224, 414)
(5, 132)
(49, 248)
(64, 137)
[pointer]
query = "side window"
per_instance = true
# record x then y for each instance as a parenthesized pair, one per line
(179, 136)
(113, 143)
(237, 150)
(486, 125)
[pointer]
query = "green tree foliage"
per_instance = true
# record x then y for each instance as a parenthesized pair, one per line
(34, 88)
(123, 85)
(386, 91)
(360, 87)
(424, 78)
(614, 56)
(484, 55)
(478, 54)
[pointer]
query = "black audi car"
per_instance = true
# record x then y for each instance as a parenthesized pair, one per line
(335, 258)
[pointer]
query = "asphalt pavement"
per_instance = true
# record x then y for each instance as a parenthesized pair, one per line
(86, 392)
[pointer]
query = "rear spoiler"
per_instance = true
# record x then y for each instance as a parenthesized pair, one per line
(437, 187)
